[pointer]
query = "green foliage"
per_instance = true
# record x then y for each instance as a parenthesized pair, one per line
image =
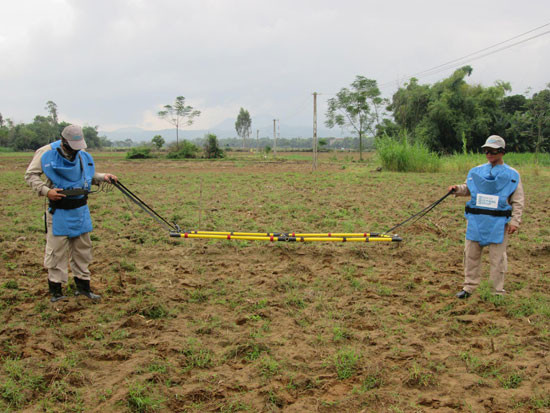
(212, 149)
(511, 381)
(186, 150)
(158, 141)
(345, 362)
(11, 285)
(91, 136)
(243, 124)
(21, 383)
(401, 156)
(269, 366)
(141, 152)
(358, 108)
(179, 114)
(453, 116)
(420, 377)
(196, 356)
(141, 399)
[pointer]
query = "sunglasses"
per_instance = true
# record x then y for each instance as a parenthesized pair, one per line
(492, 152)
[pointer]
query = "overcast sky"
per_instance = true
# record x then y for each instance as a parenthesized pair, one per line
(115, 63)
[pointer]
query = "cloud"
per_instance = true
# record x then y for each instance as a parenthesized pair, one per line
(116, 62)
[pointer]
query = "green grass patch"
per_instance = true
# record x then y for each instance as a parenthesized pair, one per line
(345, 362)
(401, 156)
(143, 398)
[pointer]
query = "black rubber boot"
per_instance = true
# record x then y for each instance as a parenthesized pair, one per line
(83, 288)
(463, 295)
(56, 291)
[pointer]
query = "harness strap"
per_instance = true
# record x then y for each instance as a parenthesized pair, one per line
(68, 203)
(494, 213)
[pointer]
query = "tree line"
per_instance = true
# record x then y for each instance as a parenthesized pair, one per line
(453, 116)
(43, 130)
(448, 116)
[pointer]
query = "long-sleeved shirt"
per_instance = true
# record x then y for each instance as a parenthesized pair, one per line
(516, 200)
(33, 175)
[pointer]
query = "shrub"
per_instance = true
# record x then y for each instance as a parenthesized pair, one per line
(212, 149)
(401, 156)
(141, 152)
(186, 150)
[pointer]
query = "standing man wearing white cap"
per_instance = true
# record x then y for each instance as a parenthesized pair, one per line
(68, 220)
(493, 213)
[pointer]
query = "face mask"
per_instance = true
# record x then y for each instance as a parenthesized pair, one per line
(68, 147)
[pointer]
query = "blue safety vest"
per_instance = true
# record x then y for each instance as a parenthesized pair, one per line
(488, 210)
(67, 174)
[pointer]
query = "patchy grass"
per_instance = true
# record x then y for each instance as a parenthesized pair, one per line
(223, 326)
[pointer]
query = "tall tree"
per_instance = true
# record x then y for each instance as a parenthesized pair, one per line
(538, 109)
(243, 125)
(359, 108)
(51, 107)
(179, 114)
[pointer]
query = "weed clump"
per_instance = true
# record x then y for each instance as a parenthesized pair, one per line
(401, 156)
(345, 363)
(140, 399)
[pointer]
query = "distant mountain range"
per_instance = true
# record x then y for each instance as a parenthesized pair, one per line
(223, 130)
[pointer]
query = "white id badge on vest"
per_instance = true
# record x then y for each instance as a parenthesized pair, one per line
(487, 201)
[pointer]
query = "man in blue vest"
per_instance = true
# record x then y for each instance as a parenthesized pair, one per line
(67, 167)
(493, 213)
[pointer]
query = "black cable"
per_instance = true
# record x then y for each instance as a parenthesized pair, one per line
(422, 212)
(464, 59)
(482, 50)
(136, 200)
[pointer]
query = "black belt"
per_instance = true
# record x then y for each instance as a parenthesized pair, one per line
(493, 212)
(68, 203)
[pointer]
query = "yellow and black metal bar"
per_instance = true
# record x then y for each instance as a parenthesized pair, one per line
(291, 234)
(285, 237)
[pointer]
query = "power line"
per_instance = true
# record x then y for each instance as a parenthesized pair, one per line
(482, 50)
(467, 58)
(490, 53)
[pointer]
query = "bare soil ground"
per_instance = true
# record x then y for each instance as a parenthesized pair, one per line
(227, 326)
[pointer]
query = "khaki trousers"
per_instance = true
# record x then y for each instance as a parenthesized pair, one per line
(472, 265)
(61, 250)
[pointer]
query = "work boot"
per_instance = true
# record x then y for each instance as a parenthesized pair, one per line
(463, 294)
(83, 288)
(56, 291)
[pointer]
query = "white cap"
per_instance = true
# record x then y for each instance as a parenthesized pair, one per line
(494, 141)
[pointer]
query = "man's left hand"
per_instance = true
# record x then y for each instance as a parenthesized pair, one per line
(110, 178)
(511, 229)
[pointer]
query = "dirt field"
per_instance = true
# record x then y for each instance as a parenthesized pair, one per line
(229, 326)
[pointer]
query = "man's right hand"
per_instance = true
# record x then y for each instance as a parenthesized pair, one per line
(55, 195)
(453, 188)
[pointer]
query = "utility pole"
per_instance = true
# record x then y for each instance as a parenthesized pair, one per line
(278, 129)
(314, 131)
(274, 137)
